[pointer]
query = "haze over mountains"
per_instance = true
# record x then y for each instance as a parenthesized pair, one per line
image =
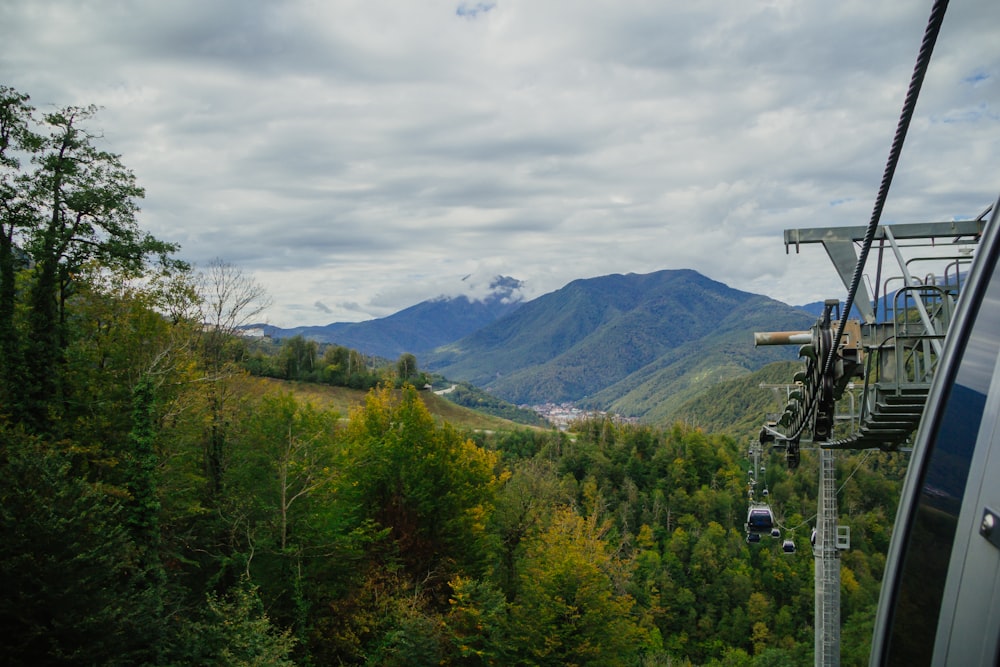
(637, 344)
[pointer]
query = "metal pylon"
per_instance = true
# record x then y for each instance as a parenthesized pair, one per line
(827, 567)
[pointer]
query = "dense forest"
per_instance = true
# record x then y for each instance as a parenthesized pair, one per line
(161, 505)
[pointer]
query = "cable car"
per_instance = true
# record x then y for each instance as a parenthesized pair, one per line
(939, 599)
(759, 519)
(775, 532)
(788, 546)
(753, 538)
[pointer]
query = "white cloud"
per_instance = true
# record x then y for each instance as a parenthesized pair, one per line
(359, 157)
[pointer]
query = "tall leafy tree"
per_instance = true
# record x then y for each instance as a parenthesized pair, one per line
(16, 217)
(86, 203)
(406, 367)
(279, 499)
(430, 486)
(120, 336)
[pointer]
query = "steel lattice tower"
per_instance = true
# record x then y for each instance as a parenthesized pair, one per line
(827, 567)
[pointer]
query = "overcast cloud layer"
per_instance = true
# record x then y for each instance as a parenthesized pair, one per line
(361, 156)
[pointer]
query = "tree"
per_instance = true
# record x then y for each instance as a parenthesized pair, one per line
(16, 137)
(298, 358)
(476, 623)
(229, 299)
(406, 367)
(526, 499)
(84, 200)
(431, 487)
(121, 334)
(75, 589)
(287, 453)
(233, 631)
(572, 608)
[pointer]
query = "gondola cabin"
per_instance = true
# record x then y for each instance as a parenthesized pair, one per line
(760, 521)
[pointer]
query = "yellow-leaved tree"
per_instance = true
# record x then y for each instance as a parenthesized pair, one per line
(572, 607)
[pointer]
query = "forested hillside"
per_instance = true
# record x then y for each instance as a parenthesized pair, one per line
(739, 405)
(161, 506)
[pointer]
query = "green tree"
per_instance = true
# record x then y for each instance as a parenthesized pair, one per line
(85, 202)
(279, 491)
(431, 487)
(406, 367)
(476, 623)
(298, 358)
(119, 337)
(76, 589)
(524, 504)
(233, 631)
(16, 218)
(286, 454)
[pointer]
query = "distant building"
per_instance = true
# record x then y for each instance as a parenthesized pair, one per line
(254, 332)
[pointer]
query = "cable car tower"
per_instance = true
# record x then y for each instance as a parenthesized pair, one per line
(892, 351)
(893, 347)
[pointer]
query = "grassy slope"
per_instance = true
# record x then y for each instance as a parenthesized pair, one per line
(343, 399)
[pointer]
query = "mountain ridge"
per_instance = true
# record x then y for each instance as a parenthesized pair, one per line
(606, 341)
(418, 328)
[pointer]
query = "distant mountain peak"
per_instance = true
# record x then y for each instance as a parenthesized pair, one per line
(507, 289)
(499, 289)
(423, 326)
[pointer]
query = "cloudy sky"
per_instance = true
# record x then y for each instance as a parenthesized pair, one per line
(360, 156)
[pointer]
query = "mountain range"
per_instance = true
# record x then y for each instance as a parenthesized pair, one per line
(639, 345)
(417, 329)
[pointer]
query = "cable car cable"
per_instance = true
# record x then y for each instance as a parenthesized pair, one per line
(909, 104)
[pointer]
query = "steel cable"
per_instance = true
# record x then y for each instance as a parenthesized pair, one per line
(909, 104)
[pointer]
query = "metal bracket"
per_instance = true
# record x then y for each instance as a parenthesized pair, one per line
(989, 527)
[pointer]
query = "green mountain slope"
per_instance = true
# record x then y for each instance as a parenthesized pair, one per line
(622, 342)
(657, 391)
(737, 406)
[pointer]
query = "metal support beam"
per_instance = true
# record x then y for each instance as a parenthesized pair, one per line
(845, 260)
(909, 281)
(910, 231)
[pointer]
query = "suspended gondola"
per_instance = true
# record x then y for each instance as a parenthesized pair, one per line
(760, 520)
